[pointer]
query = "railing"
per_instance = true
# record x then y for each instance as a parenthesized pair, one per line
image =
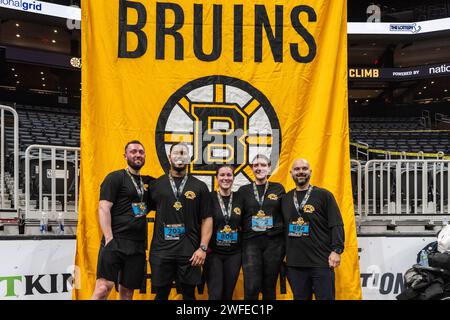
(57, 163)
(356, 174)
(15, 158)
(402, 187)
(363, 151)
(426, 116)
(363, 148)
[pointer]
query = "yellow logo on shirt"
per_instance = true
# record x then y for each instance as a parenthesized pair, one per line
(146, 187)
(237, 211)
(272, 196)
(190, 195)
(309, 209)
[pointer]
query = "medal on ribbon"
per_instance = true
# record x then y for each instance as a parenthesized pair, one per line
(177, 191)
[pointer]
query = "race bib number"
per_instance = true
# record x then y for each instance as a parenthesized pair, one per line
(299, 230)
(139, 209)
(262, 223)
(225, 238)
(174, 231)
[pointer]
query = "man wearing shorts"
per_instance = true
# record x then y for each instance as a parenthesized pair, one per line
(122, 217)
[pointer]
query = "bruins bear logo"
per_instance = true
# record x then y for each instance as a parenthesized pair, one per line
(309, 209)
(237, 211)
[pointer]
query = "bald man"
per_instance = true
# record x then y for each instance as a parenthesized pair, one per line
(314, 236)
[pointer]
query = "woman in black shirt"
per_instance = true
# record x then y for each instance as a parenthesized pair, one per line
(223, 260)
(263, 244)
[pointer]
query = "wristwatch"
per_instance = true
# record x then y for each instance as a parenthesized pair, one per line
(204, 247)
(338, 250)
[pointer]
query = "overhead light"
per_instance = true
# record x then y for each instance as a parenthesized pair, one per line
(55, 31)
(420, 92)
(15, 75)
(53, 41)
(445, 90)
(356, 101)
(43, 84)
(17, 25)
(18, 35)
(367, 100)
(425, 87)
(17, 82)
(42, 72)
(43, 78)
(365, 54)
(432, 82)
(12, 69)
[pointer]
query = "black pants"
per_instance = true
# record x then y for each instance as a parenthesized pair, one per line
(222, 272)
(306, 281)
(188, 292)
(261, 261)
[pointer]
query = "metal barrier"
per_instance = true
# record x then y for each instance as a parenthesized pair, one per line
(356, 173)
(45, 159)
(406, 187)
(363, 151)
(15, 191)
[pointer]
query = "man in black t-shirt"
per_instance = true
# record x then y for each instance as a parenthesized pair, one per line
(122, 217)
(182, 229)
(314, 236)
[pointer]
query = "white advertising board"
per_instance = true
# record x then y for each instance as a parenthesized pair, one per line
(36, 269)
(44, 269)
(383, 261)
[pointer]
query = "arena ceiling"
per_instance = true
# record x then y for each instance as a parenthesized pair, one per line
(50, 39)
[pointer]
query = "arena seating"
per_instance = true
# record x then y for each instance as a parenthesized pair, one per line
(44, 126)
(407, 134)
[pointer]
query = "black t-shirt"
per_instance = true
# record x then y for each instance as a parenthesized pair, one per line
(271, 206)
(219, 222)
(196, 206)
(322, 213)
(120, 190)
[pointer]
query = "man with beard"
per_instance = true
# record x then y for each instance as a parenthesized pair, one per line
(122, 217)
(314, 236)
(183, 227)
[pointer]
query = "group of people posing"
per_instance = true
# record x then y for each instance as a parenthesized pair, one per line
(195, 230)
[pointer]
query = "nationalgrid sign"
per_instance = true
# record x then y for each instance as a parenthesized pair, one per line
(22, 5)
(42, 7)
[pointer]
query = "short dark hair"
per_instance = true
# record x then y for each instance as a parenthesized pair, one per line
(133, 142)
(220, 166)
(262, 156)
(178, 144)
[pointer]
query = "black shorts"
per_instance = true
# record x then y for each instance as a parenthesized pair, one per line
(164, 270)
(122, 261)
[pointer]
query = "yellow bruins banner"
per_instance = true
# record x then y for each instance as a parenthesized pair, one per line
(231, 79)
